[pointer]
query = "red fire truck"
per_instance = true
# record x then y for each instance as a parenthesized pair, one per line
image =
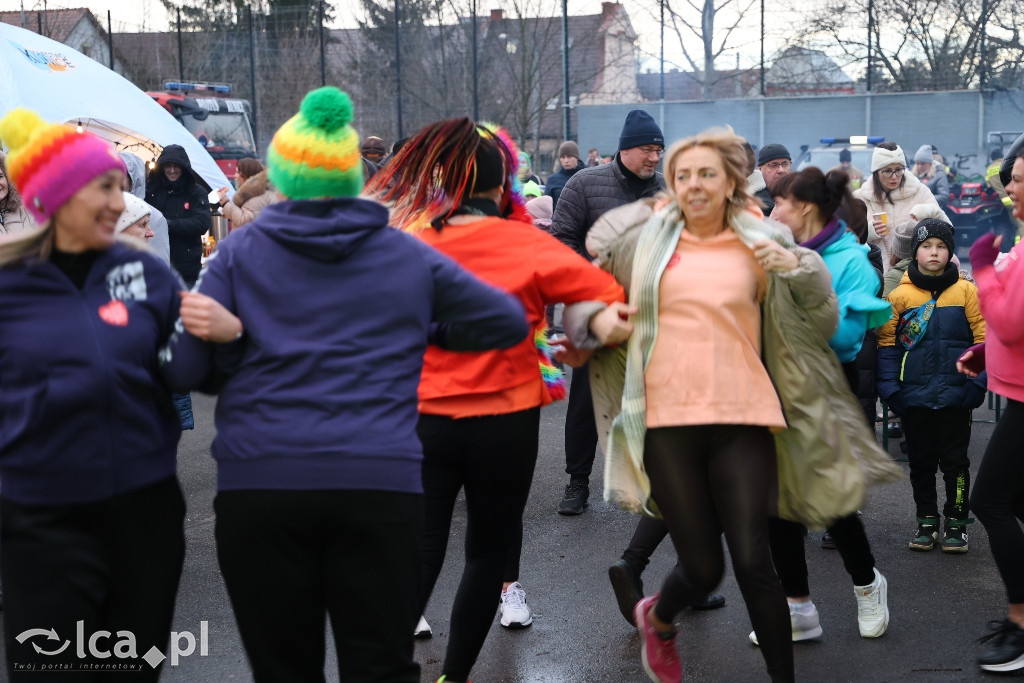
(220, 123)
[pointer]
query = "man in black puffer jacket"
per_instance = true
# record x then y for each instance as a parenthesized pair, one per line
(586, 196)
(173, 188)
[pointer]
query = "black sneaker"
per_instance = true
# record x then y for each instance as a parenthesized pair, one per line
(713, 601)
(575, 499)
(827, 542)
(1006, 652)
(628, 587)
(954, 540)
(927, 534)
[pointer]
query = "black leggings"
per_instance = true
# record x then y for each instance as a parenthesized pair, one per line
(492, 458)
(711, 479)
(787, 541)
(787, 538)
(998, 499)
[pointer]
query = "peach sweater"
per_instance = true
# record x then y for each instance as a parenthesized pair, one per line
(705, 367)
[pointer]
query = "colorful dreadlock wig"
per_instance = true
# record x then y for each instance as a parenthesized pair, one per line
(439, 169)
(441, 166)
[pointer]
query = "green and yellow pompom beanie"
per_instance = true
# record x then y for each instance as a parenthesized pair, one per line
(315, 154)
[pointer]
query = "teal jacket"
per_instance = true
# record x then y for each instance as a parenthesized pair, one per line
(855, 282)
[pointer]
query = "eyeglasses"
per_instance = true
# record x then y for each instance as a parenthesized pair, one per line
(892, 172)
(778, 165)
(647, 151)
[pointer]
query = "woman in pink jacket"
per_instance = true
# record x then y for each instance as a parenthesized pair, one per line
(998, 496)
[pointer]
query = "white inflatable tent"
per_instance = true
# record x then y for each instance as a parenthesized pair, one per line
(62, 84)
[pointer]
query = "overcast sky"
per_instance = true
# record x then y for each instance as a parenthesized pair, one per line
(149, 15)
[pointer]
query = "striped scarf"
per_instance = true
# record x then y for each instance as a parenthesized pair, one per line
(626, 483)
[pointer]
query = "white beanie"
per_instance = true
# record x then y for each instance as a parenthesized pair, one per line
(134, 209)
(922, 211)
(882, 157)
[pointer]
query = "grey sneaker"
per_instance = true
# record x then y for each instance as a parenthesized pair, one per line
(804, 626)
(513, 609)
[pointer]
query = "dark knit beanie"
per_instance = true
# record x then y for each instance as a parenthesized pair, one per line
(1006, 168)
(771, 153)
(845, 155)
(933, 227)
(490, 167)
(640, 129)
(569, 149)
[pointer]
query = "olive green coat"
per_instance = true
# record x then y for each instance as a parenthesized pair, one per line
(827, 457)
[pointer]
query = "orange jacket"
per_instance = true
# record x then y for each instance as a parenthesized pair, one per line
(537, 268)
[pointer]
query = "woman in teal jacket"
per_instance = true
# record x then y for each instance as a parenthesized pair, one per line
(807, 202)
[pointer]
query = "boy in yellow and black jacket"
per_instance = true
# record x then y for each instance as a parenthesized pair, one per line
(935, 319)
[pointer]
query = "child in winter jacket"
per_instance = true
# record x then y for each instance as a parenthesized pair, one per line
(936, 317)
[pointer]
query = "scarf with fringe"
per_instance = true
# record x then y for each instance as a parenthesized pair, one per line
(656, 245)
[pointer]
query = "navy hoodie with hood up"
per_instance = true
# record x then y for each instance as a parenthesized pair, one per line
(321, 391)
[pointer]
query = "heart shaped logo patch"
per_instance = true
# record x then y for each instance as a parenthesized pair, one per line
(114, 313)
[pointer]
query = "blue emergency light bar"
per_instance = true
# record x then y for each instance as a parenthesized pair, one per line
(855, 140)
(223, 88)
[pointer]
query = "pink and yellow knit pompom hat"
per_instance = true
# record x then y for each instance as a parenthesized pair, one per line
(49, 162)
(316, 153)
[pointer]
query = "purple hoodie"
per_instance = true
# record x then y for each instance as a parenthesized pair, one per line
(320, 392)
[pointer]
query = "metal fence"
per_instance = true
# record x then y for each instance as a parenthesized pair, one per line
(955, 122)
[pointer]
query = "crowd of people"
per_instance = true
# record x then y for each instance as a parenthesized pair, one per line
(728, 352)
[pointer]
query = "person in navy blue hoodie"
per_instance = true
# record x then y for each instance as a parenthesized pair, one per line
(323, 313)
(92, 513)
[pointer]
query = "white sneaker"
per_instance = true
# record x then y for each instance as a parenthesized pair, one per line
(805, 624)
(422, 630)
(512, 607)
(873, 607)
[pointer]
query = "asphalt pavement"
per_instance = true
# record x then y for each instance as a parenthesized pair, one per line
(939, 604)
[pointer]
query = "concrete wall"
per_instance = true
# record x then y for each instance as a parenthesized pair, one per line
(955, 122)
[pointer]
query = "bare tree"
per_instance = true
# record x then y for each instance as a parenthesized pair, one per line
(519, 80)
(697, 19)
(920, 44)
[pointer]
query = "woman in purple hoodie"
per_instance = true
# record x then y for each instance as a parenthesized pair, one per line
(326, 313)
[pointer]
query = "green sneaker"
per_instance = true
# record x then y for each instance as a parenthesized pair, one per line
(927, 534)
(954, 540)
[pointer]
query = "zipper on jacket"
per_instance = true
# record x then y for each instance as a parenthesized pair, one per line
(91, 320)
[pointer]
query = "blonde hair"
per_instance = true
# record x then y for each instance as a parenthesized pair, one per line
(29, 246)
(12, 202)
(734, 159)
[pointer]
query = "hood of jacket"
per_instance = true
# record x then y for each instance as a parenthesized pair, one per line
(252, 188)
(755, 182)
(136, 173)
(327, 230)
(175, 154)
